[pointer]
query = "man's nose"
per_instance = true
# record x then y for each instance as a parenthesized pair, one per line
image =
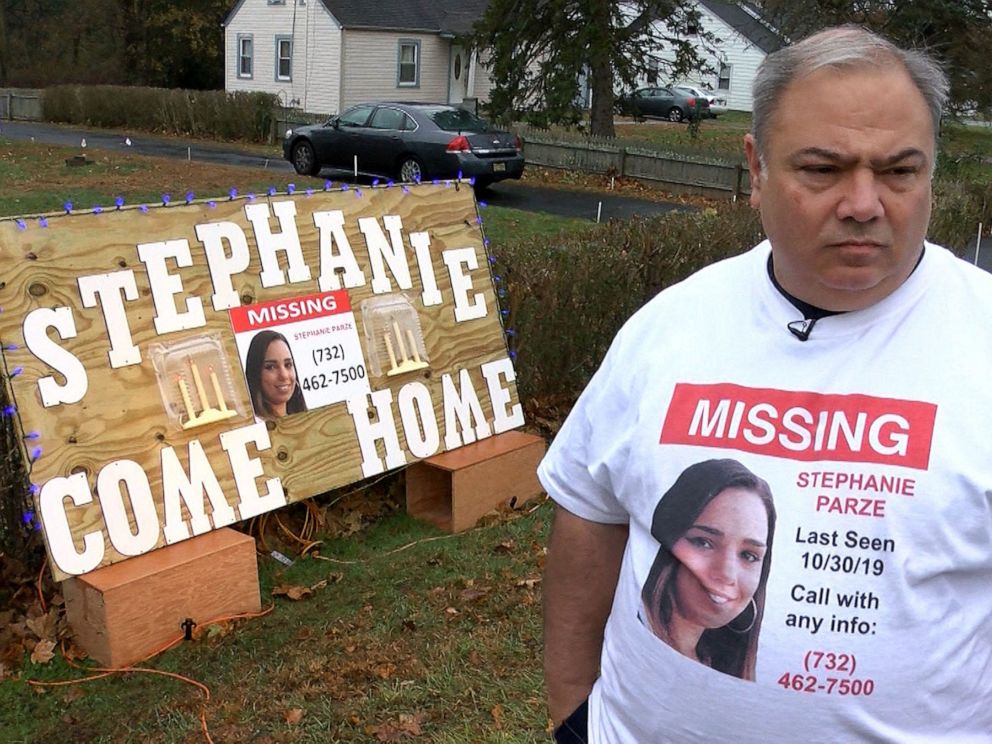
(861, 199)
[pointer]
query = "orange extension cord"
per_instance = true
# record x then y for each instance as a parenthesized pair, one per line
(107, 671)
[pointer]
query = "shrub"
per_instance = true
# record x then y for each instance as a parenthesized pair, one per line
(567, 298)
(958, 208)
(208, 114)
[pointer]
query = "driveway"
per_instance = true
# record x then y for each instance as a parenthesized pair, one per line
(511, 194)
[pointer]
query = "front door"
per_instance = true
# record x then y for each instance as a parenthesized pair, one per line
(458, 74)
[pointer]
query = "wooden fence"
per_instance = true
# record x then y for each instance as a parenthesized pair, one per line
(673, 172)
(20, 103)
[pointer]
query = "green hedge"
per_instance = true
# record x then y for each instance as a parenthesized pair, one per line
(567, 298)
(959, 206)
(247, 117)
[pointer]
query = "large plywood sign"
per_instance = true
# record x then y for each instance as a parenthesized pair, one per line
(180, 368)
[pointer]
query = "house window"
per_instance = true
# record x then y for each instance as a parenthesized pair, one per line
(723, 81)
(246, 56)
(408, 65)
(284, 58)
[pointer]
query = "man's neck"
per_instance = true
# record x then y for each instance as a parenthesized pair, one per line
(808, 311)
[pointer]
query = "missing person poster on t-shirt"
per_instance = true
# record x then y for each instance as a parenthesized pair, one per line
(300, 353)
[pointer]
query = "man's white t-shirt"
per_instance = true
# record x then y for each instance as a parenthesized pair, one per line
(875, 437)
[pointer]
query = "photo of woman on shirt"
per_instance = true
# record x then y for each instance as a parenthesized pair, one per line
(705, 593)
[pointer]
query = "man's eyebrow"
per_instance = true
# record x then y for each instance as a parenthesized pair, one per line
(906, 154)
(836, 157)
(821, 152)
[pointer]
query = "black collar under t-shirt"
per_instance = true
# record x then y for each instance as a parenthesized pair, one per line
(810, 313)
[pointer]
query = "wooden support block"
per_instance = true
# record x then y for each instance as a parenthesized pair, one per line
(454, 489)
(123, 612)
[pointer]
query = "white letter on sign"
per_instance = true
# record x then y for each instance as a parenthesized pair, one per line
(108, 287)
(460, 410)
(166, 286)
(36, 326)
(368, 433)
(51, 502)
(393, 252)
(176, 486)
(500, 396)
(223, 267)
(330, 227)
(247, 469)
(417, 412)
(269, 244)
(461, 283)
(109, 484)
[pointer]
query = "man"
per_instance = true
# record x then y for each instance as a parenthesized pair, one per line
(844, 363)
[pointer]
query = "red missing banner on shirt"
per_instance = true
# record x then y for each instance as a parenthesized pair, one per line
(801, 425)
(289, 310)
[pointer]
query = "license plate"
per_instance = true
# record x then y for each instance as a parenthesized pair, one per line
(499, 167)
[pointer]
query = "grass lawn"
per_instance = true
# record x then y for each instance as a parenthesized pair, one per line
(441, 638)
(34, 178)
(405, 632)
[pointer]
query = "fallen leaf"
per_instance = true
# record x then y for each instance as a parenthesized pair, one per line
(506, 547)
(293, 715)
(529, 583)
(291, 591)
(411, 723)
(73, 652)
(470, 595)
(497, 713)
(44, 652)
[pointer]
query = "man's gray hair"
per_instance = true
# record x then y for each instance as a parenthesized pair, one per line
(841, 48)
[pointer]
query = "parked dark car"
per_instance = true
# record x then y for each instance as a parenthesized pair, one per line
(668, 103)
(408, 141)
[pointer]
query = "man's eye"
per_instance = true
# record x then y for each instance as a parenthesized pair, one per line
(902, 171)
(818, 170)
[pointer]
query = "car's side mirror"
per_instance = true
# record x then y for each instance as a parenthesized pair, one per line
(332, 122)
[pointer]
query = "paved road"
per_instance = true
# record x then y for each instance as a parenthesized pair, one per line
(583, 205)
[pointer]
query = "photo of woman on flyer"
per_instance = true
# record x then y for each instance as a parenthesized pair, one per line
(271, 373)
(705, 592)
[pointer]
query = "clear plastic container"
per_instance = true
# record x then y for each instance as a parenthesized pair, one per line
(195, 381)
(394, 340)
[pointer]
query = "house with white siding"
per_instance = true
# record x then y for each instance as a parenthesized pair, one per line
(741, 40)
(323, 56)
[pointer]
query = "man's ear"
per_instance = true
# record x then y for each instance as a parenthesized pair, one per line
(754, 166)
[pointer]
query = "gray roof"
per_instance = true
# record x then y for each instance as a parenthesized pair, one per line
(757, 32)
(433, 16)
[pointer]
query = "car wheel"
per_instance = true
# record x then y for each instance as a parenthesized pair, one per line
(411, 170)
(304, 159)
(675, 114)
